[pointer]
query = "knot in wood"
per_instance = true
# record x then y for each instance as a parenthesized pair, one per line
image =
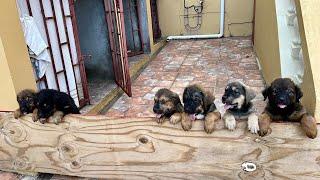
(69, 149)
(143, 140)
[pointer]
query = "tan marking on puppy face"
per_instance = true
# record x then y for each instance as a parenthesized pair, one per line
(200, 109)
(240, 100)
(27, 95)
(166, 103)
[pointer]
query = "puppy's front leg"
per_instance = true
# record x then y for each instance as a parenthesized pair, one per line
(230, 121)
(17, 113)
(186, 123)
(175, 118)
(161, 120)
(209, 123)
(57, 117)
(35, 115)
(253, 124)
(264, 124)
(309, 125)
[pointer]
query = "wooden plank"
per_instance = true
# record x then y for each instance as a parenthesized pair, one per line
(139, 148)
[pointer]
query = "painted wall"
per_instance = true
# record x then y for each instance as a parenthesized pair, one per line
(238, 17)
(15, 67)
(94, 38)
(309, 17)
(266, 41)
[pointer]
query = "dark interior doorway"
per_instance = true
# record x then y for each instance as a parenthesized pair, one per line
(95, 47)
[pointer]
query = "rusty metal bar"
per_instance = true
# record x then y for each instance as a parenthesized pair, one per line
(49, 44)
(80, 58)
(68, 43)
(110, 24)
(136, 8)
(59, 42)
(29, 7)
(125, 59)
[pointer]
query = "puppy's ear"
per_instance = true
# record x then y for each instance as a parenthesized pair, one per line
(175, 98)
(208, 100)
(266, 92)
(299, 93)
(249, 94)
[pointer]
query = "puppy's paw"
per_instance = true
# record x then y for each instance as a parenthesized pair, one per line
(42, 120)
(309, 124)
(175, 118)
(264, 123)
(209, 123)
(312, 135)
(253, 124)
(230, 123)
(186, 123)
(56, 119)
(17, 114)
(263, 131)
(160, 120)
(35, 117)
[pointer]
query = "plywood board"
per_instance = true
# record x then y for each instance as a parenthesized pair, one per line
(139, 148)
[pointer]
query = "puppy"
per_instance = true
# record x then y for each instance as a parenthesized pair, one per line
(237, 99)
(284, 105)
(56, 104)
(198, 104)
(27, 104)
(167, 105)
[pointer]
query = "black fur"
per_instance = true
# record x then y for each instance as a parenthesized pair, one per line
(194, 97)
(283, 91)
(50, 100)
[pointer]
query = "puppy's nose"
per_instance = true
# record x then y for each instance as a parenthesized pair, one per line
(281, 99)
(155, 110)
(224, 98)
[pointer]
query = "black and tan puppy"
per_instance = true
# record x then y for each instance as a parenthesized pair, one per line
(284, 105)
(237, 99)
(167, 105)
(56, 104)
(27, 104)
(199, 104)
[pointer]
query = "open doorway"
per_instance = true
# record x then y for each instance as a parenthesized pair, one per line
(95, 47)
(108, 36)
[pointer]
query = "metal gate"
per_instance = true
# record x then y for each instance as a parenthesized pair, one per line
(155, 19)
(117, 37)
(57, 24)
(134, 36)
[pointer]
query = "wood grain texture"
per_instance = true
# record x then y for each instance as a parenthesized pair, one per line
(139, 148)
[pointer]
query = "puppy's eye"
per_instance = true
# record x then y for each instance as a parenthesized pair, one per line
(163, 101)
(289, 91)
(44, 105)
(274, 91)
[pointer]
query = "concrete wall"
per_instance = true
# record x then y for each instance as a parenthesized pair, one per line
(238, 17)
(15, 67)
(309, 18)
(94, 38)
(266, 41)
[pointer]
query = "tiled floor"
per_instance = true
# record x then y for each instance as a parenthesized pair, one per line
(211, 63)
(98, 89)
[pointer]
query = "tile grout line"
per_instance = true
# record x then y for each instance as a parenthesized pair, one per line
(193, 41)
(216, 80)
